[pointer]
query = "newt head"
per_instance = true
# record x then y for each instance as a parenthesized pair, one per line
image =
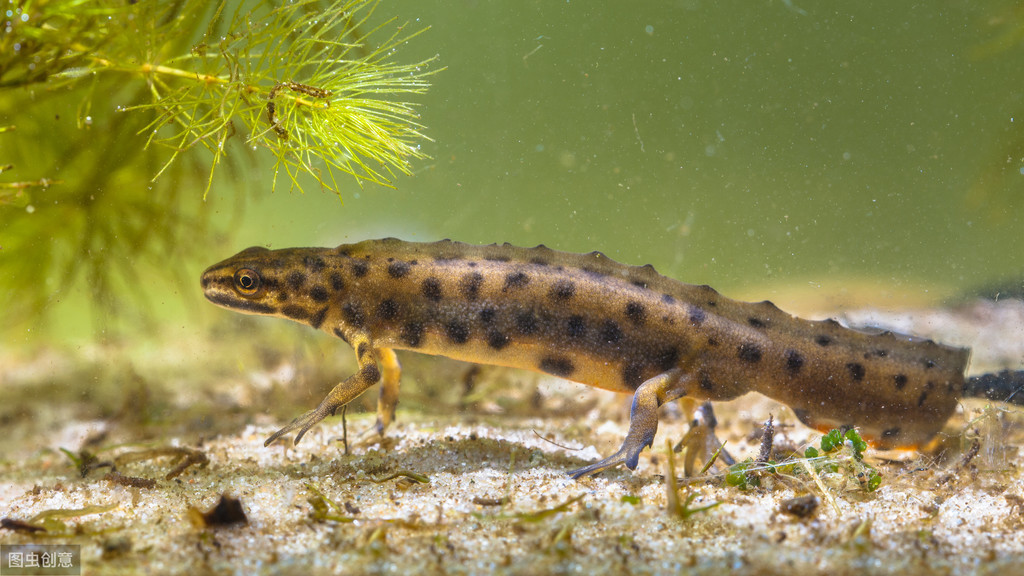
(250, 281)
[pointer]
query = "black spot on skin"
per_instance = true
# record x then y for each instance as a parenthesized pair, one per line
(639, 284)
(576, 326)
(757, 322)
(924, 394)
(318, 318)
(668, 299)
(363, 350)
(929, 364)
(515, 280)
(794, 362)
(881, 353)
(667, 358)
(431, 289)
(319, 294)
(610, 332)
(526, 322)
(360, 268)
(497, 340)
(412, 334)
(712, 303)
(340, 334)
(457, 332)
(697, 315)
(371, 373)
(353, 315)
(295, 312)
(470, 285)
(749, 352)
(632, 374)
(314, 263)
(398, 269)
(705, 382)
(296, 279)
(635, 311)
(891, 433)
(387, 309)
(497, 258)
(337, 282)
(562, 291)
(712, 342)
(922, 398)
(282, 296)
(557, 365)
(856, 371)
(487, 315)
(823, 340)
(901, 381)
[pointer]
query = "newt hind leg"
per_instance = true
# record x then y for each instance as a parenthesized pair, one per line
(700, 440)
(643, 420)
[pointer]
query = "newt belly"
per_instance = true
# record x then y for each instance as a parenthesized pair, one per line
(587, 318)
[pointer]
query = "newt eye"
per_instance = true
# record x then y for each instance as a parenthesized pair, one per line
(247, 281)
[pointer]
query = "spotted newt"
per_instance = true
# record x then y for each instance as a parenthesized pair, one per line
(587, 318)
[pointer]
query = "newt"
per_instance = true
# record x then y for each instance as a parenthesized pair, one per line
(589, 319)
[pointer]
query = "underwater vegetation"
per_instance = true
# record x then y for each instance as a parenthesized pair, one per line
(118, 118)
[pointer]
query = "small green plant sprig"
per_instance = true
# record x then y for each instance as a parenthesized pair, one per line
(840, 452)
(845, 452)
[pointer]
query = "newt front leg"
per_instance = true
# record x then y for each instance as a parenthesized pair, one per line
(368, 375)
(388, 399)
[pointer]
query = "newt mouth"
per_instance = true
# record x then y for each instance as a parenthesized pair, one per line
(234, 303)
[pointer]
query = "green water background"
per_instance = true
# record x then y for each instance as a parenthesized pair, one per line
(729, 143)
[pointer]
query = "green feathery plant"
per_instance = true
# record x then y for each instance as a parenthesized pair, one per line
(313, 96)
(115, 115)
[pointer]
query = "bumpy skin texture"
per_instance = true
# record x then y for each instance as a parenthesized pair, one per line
(587, 318)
